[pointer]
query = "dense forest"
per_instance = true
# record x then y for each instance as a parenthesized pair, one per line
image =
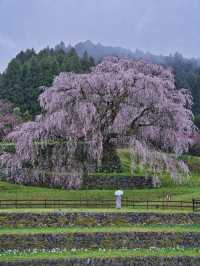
(187, 75)
(22, 81)
(25, 75)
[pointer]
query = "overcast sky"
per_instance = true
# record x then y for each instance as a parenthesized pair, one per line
(158, 26)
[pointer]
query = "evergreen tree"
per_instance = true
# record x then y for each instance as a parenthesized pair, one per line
(28, 71)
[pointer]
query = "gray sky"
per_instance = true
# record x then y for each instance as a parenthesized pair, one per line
(158, 26)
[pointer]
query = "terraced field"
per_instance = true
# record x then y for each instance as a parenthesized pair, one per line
(116, 242)
(101, 236)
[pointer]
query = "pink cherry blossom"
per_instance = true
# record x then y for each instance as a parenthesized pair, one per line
(120, 97)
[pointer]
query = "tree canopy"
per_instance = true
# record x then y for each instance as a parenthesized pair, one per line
(119, 98)
(28, 71)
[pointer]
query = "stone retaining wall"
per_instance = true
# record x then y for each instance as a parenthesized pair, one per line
(133, 261)
(98, 240)
(123, 182)
(61, 219)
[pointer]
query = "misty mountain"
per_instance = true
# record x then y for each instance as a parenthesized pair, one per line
(99, 51)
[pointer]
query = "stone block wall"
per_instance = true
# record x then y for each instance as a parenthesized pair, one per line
(98, 240)
(126, 261)
(61, 219)
(123, 182)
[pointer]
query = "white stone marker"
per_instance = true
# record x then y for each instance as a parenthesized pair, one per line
(118, 198)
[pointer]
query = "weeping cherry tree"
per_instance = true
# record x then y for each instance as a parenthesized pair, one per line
(83, 113)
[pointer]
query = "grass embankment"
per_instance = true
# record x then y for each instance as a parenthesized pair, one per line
(178, 192)
(101, 229)
(101, 253)
(184, 192)
(92, 210)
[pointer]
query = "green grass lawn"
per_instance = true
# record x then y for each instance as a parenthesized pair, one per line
(13, 191)
(104, 229)
(101, 253)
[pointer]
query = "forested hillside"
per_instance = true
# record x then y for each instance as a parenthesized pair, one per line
(28, 71)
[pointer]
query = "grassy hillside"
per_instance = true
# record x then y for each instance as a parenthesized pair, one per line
(178, 192)
(183, 192)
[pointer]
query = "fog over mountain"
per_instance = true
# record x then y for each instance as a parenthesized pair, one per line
(157, 26)
(99, 51)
